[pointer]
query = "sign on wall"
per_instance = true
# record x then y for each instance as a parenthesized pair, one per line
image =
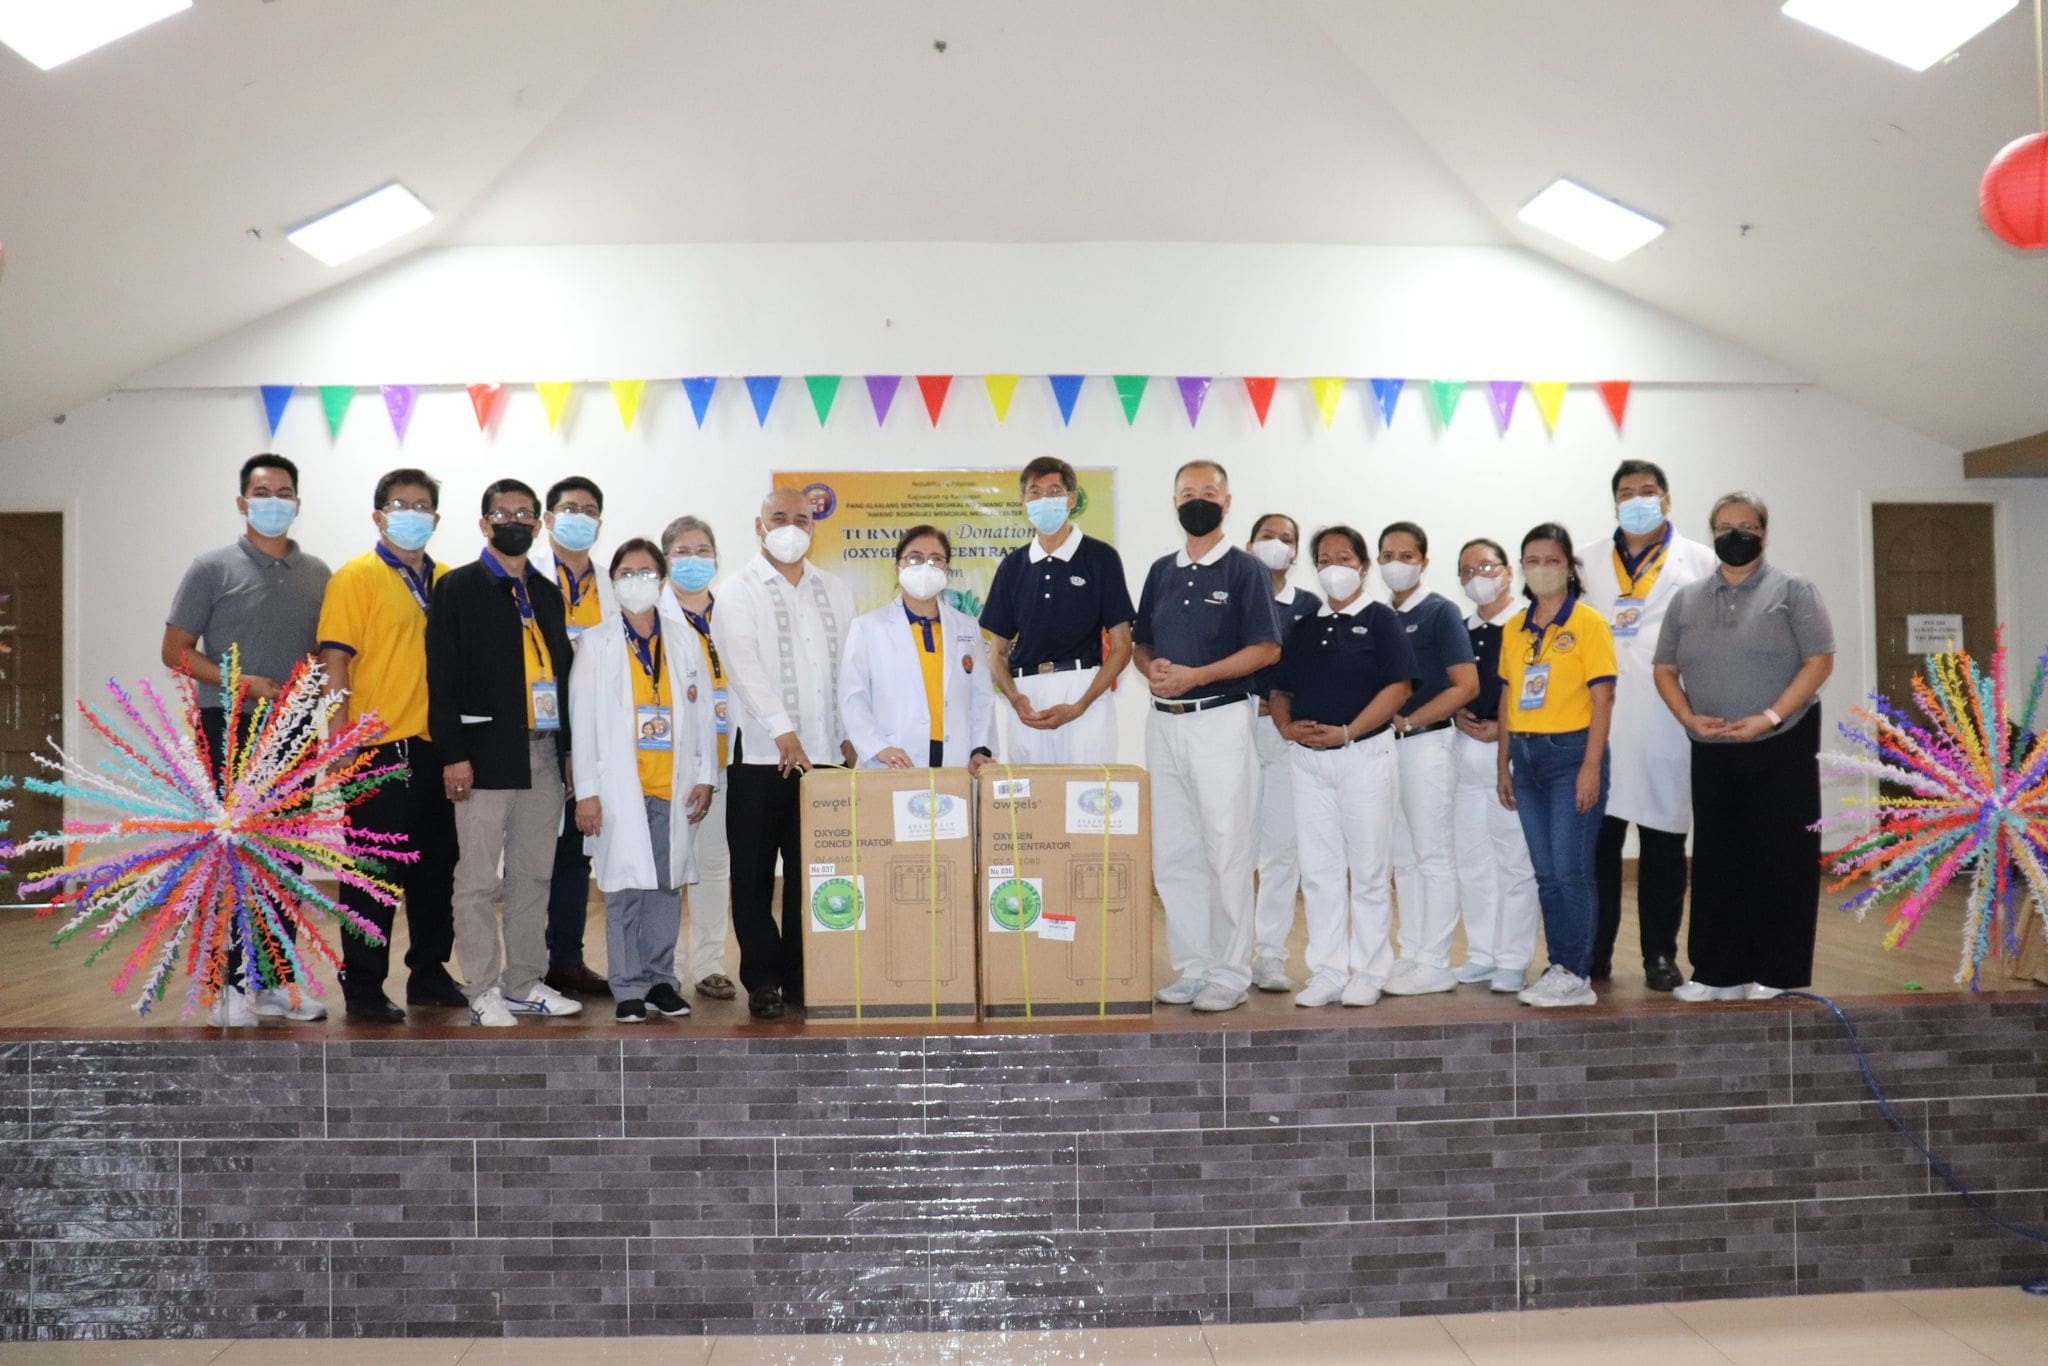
(857, 516)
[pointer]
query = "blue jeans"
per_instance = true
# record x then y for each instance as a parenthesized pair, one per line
(1545, 770)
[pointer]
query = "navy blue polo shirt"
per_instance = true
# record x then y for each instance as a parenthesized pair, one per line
(1196, 614)
(1336, 663)
(1287, 615)
(1057, 609)
(1436, 632)
(1486, 637)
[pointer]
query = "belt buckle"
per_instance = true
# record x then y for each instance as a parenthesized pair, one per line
(1044, 667)
(1179, 708)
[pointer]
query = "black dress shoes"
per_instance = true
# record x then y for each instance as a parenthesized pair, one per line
(765, 1004)
(439, 990)
(379, 1011)
(1662, 974)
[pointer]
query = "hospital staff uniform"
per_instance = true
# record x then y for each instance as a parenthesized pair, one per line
(710, 896)
(1496, 885)
(1203, 759)
(1055, 606)
(1425, 873)
(918, 684)
(1279, 874)
(1335, 664)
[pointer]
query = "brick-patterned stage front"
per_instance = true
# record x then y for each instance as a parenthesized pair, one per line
(671, 1182)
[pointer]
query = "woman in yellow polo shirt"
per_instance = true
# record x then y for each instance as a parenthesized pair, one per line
(1557, 668)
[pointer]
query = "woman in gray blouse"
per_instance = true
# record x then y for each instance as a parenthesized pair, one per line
(1743, 654)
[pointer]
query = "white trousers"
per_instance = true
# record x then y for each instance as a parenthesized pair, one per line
(1279, 874)
(1089, 738)
(1203, 765)
(1496, 885)
(1425, 870)
(1344, 803)
(710, 896)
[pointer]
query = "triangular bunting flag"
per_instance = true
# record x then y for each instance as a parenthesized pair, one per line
(1066, 389)
(275, 396)
(824, 389)
(1001, 389)
(1503, 393)
(626, 394)
(1385, 394)
(335, 399)
(1444, 395)
(1130, 391)
(1549, 396)
(761, 389)
(554, 399)
(1260, 391)
(934, 388)
(1327, 389)
(700, 388)
(398, 401)
(1614, 393)
(882, 393)
(485, 398)
(1193, 390)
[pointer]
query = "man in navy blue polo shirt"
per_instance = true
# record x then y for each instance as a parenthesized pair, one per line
(1060, 620)
(1205, 626)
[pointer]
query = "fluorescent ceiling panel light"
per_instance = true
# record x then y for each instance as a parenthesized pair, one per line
(1576, 215)
(1914, 33)
(378, 217)
(52, 32)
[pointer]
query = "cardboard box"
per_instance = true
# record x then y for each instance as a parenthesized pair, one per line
(889, 921)
(1065, 914)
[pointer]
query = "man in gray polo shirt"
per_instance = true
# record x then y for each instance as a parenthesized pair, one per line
(261, 597)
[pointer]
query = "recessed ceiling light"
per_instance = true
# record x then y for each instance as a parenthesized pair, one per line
(52, 32)
(1576, 215)
(378, 217)
(1914, 33)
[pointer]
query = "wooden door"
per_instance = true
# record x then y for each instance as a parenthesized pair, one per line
(1930, 559)
(31, 667)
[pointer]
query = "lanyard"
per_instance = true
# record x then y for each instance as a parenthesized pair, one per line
(572, 583)
(1648, 561)
(648, 652)
(1547, 637)
(418, 583)
(703, 629)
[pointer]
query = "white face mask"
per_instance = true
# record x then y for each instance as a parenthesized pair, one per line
(1400, 576)
(921, 580)
(1276, 555)
(1339, 581)
(1482, 591)
(787, 544)
(636, 594)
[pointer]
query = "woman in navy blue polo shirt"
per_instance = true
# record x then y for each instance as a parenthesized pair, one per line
(1343, 674)
(1274, 543)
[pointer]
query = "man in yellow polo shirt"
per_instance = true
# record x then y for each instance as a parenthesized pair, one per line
(372, 635)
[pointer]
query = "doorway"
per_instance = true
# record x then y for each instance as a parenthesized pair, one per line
(31, 668)
(1932, 563)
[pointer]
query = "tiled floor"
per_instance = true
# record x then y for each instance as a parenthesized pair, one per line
(1909, 1328)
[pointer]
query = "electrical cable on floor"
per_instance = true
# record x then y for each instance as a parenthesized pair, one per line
(1940, 1168)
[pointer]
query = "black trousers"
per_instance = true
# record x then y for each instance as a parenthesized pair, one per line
(568, 894)
(761, 823)
(213, 725)
(417, 807)
(1756, 858)
(1660, 890)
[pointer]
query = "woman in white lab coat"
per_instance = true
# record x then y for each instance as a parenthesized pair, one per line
(645, 760)
(914, 687)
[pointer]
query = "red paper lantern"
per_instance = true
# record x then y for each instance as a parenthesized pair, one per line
(2013, 197)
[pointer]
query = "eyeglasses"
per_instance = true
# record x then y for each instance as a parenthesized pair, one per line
(651, 576)
(1751, 527)
(707, 553)
(522, 516)
(585, 509)
(914, 559)
(1481, 571)
(416, 505)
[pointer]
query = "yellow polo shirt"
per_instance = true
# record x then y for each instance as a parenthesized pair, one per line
(931, 661)
(1580, 653)
(375, 611)
(581, 607)
(657, 765)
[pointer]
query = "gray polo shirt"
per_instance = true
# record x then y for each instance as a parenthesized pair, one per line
(266, 607)
(1737, 646)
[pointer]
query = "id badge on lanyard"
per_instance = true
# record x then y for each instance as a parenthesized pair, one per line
(547, 712)
(1535, 688)
(652, 728)
(1627, 619)
(720, 711)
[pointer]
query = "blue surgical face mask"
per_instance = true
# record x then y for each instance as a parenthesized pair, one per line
(574, 531)
(1047, 514)
(1641, 516)
(692, 573)
(409, 530)
(272, 516)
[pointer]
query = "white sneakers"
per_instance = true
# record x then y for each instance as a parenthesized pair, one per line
(1270, 974)
(1410, 978)
(1700, 991)
(1215, 998)
(488, 1010)
(1472, 972)
(275, 1003)
(230, 1010)
(1359, 992)
(1322, 990)
(544, 1000)
(1757, 991)
(1559, 986)
(1509, 979)
(1182, 992)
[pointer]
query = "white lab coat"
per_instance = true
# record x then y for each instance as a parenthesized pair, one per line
(542, 558)
(1651, 781)
(605, 755)
(881, 687)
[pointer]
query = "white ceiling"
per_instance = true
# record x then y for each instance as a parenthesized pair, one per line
(129, 178)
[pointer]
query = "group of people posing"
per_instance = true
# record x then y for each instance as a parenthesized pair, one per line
(559, 723)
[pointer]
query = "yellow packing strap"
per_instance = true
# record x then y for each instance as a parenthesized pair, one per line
(1017, 875)
(1102, 967)
(860, 902)
(932, 880)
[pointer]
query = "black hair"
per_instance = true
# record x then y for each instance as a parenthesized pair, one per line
(1629, 467)
(499, 487)
(638, 543)
(1409, 529)
(268, 460)
(1552, 531)
(923, 529)
(1266, 517)
(406, 476)
(1044, 465)
(1315, 543)
(1495, 546)
(571, 485)
(1221, 473)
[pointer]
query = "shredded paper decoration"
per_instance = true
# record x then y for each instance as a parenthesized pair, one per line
(1975, 801)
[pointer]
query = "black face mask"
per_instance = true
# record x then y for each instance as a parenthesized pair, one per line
(1199, 516)
(1738, 548)
(512, 539)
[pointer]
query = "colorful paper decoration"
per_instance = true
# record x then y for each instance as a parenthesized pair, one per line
(275, 396)
(626, 398)
(934, 388)
(1130, 391)
(1549, 396)
(1614, 393)
(824, 389)
(1194, 390)
(761, 389)
(1328, 389)
(334, 399)
(485, 399)
(2012, 198)
(398, 401)
(1260, 392)
(1066, 389)
(881, 394)
(1502, 393)
(1385, 394)
(554, 399)
(1001, 388)
(699, 388)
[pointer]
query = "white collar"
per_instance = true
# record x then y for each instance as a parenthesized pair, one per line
(1217, 552)
(1063, 551)
(1414, 600)
(767, 570)
(1474, 620)
(1285, 596)
(1358, 604)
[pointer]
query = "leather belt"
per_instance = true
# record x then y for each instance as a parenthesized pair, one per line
(1204, 704)
(1444, 724)
(1060, 666)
